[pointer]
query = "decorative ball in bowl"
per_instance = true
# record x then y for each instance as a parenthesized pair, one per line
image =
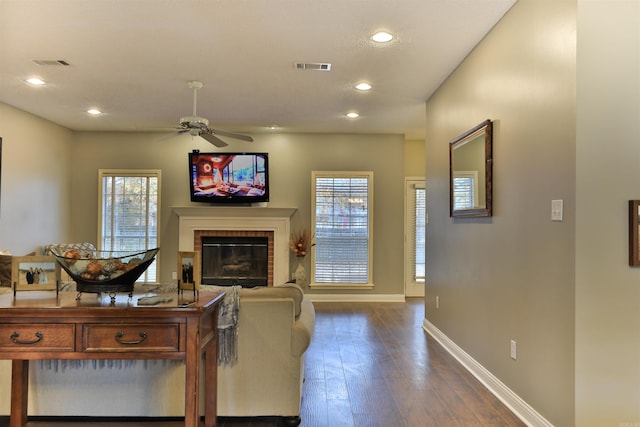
(104, 271)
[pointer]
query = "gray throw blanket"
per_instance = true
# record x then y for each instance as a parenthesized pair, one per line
(228, 324)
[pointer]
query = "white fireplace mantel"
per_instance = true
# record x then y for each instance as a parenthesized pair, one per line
(277, 220)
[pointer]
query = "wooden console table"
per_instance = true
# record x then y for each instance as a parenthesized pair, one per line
(36, 325)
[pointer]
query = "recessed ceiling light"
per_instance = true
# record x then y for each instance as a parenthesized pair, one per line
(364, 86)
(36, 81)
(94, 112)
(382, 37)
(353, 115)
(273, 127)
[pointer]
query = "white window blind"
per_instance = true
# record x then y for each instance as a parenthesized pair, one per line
(464, 190)
(342, 227)
(418, 236)
(129, 216)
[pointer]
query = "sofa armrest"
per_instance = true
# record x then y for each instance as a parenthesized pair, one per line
(303, 328)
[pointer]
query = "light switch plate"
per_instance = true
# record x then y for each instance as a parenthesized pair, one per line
(556, 210)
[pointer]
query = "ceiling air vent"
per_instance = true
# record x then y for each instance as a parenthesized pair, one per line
(51, 62)
(319, 66)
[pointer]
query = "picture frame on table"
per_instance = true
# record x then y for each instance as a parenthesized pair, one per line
(189, 272)
(35, 273)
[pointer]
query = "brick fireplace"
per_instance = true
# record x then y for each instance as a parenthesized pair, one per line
(236, 236)
(274, 223)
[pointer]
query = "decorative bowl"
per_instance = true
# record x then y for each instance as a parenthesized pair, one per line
(104, 271)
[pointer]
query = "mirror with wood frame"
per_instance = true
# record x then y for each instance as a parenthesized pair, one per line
(470, 172)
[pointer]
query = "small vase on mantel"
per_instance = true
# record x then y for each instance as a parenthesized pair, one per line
(300, 274)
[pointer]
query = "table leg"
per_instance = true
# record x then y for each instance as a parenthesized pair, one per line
(191, 415)
(192, 361)
(19, 392)
(211, 386)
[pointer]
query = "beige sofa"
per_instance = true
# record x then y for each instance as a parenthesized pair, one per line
(274, 330)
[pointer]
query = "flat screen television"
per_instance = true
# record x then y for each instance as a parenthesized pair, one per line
(241, 178)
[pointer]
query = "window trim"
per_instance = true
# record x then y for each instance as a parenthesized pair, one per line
(344, 174)
(157, 173)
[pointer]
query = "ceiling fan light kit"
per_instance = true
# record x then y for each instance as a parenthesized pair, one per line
(194, 122)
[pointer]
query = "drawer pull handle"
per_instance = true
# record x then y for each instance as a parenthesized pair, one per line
(16, 334)
(119, 335)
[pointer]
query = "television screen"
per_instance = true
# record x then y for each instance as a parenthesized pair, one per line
(229, 177)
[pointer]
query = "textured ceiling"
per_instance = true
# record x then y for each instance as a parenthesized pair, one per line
(132, 59)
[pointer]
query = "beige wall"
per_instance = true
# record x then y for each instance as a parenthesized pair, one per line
(35, 184)
(414, 158)
(511, 276)
(608, 154)
(292, 157)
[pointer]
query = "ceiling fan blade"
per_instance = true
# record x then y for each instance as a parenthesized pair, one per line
(232, 135)
(213, 139)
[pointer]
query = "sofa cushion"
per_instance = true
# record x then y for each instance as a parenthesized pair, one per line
(287, 290)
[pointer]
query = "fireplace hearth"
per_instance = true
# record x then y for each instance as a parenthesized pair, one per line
(235, 260)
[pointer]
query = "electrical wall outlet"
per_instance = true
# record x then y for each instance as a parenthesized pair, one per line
(437, 302)
(514, 352)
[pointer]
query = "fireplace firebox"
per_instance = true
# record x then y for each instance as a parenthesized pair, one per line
(235, 260)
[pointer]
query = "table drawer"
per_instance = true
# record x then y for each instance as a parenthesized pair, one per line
(37, 337)
(131, 337)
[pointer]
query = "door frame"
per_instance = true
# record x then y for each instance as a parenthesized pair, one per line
(411, 288)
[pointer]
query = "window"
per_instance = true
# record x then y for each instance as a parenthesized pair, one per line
(128, 215)
(465, 186)
(417, 232)
(342, 224)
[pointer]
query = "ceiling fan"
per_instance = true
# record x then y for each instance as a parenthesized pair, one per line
(199, 126)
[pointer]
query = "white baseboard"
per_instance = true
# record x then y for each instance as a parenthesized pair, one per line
(517, 405)
(355, 297)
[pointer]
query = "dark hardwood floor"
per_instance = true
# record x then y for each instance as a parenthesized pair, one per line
(372, 365)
